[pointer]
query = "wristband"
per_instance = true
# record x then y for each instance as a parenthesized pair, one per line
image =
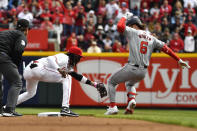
(84, 79)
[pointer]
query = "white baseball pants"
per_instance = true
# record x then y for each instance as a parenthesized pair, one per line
(42, 73)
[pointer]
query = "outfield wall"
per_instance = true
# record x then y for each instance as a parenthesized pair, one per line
(165, 84)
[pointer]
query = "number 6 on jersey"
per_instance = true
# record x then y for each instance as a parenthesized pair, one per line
(143, 47)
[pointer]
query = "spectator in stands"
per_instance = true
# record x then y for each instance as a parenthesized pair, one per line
(57, 15)
(179, 15)
(58, 28)
(177, 8)
(94, 48)
(21, 6)
(100, 34)
(46, 13)
(122, 12)
(100, 21)
(48, 25)
(107, 44)
(189, 26)
(145, 16)
(68, 18)
(10, 15)
(91, 15)
(102, 8)
(155, 9)
(189, 9)
(176, 44)
(80, 20)
(135, 7)
(165, 24)
(89, 5)
(55, 5)
(13, 24)
(165, 8)
(117, 47)
(25, 14)
(112, 9)
(71, 41)
(144, 7)
(157, 30)
(89, 32)
(78, 7)
(189, 42)
(191, 16)
(166, 36)
(81, 43)
(193, 3)
(110, 29)
(45, 4)
(176, 25)
(35, 8)
(3, 4)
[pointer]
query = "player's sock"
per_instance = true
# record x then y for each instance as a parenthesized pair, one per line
(112, 104)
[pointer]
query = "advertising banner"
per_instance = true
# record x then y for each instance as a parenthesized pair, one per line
(165, 84)
(37, 40)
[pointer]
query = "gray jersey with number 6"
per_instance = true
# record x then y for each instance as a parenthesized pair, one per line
(141, 46)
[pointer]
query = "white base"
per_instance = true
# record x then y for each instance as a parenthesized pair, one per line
(47, 114)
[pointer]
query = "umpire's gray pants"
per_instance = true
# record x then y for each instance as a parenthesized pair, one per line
(11, 74)
(129, 74)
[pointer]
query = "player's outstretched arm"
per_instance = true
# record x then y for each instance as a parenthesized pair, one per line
(168, 51)
(122, 22)
(99, 86)
(121, 25)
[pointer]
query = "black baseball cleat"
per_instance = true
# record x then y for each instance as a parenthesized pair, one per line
(65, 111)
(10, 112)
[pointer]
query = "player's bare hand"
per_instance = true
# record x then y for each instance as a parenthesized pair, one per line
(128, 15)
(183, 64)
(62, 72)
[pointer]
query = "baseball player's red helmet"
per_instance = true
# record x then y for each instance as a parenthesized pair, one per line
(75, 50)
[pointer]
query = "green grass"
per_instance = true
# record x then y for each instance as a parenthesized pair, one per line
(178, 117)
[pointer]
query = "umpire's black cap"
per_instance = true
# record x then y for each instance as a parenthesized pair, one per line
(135, 21)
(22, 24)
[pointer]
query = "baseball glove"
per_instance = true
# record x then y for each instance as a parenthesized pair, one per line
(101, 89)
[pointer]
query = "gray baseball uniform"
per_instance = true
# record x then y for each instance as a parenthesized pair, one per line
(141, 46)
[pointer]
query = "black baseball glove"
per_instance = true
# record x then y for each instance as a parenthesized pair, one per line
(101, 89)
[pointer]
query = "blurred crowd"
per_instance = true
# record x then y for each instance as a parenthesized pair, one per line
(91, 24)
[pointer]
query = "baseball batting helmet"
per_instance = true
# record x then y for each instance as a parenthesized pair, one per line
(135, 21)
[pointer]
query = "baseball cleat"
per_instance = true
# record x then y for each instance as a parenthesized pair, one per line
(7, 112)
(112, 110)
(65, 111)
(130, 107)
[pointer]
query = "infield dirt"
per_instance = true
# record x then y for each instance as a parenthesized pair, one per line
(82, 123)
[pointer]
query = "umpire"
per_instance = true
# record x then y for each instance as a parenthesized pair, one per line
(12, 45)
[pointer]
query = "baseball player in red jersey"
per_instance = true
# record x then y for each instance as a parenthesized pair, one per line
(141, 46)
(57, 68)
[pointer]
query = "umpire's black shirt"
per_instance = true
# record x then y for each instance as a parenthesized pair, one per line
(12, 45)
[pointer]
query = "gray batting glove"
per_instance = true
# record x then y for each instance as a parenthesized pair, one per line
(128, 15)
(183, 64)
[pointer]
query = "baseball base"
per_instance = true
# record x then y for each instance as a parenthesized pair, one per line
(47, 114)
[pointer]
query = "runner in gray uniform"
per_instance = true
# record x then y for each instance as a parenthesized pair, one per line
(141, 46)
